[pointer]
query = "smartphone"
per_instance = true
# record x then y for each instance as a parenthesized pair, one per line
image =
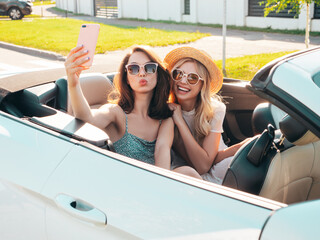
(88, 37)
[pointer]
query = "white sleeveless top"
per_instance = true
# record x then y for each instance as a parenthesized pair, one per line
(216, 123)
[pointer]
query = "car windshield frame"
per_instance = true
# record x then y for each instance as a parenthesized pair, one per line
(274, 83)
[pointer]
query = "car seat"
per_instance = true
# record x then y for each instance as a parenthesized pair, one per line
(286, 171)
(95, 87)
(294, 174)
(264, 114)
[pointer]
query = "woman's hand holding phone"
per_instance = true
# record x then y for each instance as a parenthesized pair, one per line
(81, 57)
(88, 37)
(74, 64)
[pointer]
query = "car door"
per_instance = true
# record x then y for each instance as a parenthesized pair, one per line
(98, 194)
(28, 157)
(297, 221)
(2, 6)
(240, 103)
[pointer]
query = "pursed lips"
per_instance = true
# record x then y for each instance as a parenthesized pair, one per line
(143, 82)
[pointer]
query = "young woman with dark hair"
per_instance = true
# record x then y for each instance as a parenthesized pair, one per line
(137, 117)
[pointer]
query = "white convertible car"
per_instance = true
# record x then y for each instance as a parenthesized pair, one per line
(60, 179)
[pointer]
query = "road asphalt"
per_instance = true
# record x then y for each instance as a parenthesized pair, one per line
(238, 42)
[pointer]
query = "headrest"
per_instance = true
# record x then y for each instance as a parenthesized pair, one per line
(264, 114)
(295, 132)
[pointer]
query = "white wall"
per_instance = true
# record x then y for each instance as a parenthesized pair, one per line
(86, 7)
(76, 6)
(201, 11)
(315, 25)
(211, 11)
(133, 9)
(151, 9)
(165, 10)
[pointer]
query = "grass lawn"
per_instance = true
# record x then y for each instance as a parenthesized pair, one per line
(26, 16)
(39, 2)
(245, 67)
(60, 35)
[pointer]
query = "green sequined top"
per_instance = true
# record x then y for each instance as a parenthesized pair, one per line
(134, 147)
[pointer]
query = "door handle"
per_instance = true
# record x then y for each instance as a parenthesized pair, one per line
(81, 210)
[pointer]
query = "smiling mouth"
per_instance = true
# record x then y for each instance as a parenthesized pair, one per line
(183, 89)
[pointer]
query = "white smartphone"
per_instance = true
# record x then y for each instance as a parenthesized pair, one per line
(88, 37)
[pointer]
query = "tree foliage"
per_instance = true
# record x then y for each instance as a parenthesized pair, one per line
(290, 5)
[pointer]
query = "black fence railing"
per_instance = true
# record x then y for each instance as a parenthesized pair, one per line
(106, 8)
(187, 7)
(316, 12)
(257, 10)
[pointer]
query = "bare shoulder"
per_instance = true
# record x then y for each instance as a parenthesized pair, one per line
(109, 114)
(111, 108)
(167, 125)
(218, 105)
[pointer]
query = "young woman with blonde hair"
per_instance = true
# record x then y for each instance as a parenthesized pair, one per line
(198, 113)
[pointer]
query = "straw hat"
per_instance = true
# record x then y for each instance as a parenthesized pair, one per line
(177, 54)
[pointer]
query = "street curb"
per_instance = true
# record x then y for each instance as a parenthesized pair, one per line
(33, 51)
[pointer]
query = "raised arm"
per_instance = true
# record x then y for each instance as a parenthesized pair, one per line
(80, 106)
(163, 145)
(81, 109)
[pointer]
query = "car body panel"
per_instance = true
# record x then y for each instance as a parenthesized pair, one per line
(27, 153)
(68, 188)
(288, 77)
(22, 213)
(297, 221)
(45, 171)
(24, 6)
(292, 84)
(166, 208)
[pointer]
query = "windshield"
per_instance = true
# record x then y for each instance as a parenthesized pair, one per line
(300, 78)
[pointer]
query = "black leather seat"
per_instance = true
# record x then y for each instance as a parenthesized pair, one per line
(249, 166)
(265, 114)
(266, 167)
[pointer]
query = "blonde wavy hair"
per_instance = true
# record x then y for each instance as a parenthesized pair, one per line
(204, 107)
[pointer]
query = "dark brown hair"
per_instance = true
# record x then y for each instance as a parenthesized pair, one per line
(123, 93)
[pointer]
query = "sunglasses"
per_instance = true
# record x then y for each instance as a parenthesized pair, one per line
(192, 78)
(149, 68)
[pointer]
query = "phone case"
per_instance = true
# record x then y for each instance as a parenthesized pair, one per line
(88, 37)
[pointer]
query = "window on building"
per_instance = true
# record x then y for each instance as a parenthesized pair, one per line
(316, 11)
(187, 7)
(256, 10)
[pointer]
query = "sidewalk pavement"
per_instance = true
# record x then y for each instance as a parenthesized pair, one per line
(238, 42)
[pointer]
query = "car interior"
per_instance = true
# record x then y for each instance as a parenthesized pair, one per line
(281, 163)
(285, 169)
